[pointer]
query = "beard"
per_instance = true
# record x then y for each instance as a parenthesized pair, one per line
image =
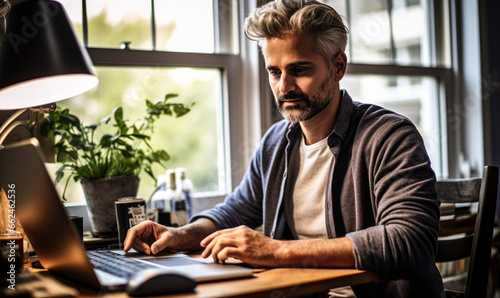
(312, 105)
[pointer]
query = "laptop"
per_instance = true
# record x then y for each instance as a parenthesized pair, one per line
(45, 221)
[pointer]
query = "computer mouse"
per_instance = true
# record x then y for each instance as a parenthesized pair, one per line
(152, 282)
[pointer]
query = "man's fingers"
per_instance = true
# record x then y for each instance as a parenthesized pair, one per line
(135, 237)
(159, 245)
(141, 246)
(218, 244)
(208, 250)
(228, 252)
(129, 240)
(210, 244)
(215, 234)
(210, 238)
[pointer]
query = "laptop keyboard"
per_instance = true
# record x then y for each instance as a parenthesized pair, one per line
(115, 264)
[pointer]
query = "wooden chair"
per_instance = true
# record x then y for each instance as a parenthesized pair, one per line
(472, 233)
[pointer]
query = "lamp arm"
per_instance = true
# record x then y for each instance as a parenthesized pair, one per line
(10, 119)
(15, 124)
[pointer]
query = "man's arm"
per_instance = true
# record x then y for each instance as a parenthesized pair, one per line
(254, 248)
(150, 237)
(403, 240)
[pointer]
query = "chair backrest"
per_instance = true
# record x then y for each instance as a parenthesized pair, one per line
(477, 229)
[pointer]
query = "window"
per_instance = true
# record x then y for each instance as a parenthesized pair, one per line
(412, 96)
(396, 61)
(155, 47)
(146, 49)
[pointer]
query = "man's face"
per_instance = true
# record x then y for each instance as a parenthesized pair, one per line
(302, 83)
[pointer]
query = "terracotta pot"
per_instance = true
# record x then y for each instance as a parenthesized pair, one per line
(101, 195)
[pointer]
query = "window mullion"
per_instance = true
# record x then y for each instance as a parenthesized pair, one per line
(217, 27)
(349, 15)
(153, 25)
(391, 32)
(432, 31)
(85, 23)
(225, 37)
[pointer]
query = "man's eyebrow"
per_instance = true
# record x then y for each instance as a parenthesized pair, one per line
(299, 63)
(296, 63)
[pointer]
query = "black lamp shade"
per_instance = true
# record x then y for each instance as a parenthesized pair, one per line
(41, 60)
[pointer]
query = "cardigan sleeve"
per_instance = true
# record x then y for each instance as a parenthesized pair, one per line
(403, 241)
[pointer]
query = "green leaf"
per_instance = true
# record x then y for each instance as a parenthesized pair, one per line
(62, 156)
(140, 136)
(170, 95)
(154, 112)
(181, 110)
(77, 142)
(118, 115)
(92, 126)
(46, 127)
(149, 171)
(106, 140)
(59, 174)
(73, 154)
(88, 147)
(126, 153)
(127, 146)
(72, 119)
(161, 155)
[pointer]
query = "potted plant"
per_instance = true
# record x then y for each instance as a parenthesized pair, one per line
(107, 164)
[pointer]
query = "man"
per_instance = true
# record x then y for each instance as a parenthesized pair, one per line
(336, 184)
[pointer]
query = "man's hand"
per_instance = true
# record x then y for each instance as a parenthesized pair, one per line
(241, 243)
(149, 237)
(254, 248)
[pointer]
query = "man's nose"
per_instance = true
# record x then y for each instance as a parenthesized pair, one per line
(287, 83)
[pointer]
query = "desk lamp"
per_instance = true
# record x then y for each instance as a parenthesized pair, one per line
(41, 60)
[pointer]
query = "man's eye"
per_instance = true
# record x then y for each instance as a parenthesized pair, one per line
(274, 73)
(298, 70)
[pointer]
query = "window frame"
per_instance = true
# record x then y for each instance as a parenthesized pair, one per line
(226, 63)
(240, 89)
(443, 77)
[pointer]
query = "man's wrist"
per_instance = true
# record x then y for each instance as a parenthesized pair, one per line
(193, 233)
(284, 253)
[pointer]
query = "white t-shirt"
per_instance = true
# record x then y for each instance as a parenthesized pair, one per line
(306, 181)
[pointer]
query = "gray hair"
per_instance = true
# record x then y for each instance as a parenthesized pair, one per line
(283, 17)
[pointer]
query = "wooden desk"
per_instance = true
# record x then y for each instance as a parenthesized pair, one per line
(276, 282)
(283, 282)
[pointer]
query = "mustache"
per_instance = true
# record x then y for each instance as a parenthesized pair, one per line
(293, 95)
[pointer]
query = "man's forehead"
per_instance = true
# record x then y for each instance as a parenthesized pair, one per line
(289, 50)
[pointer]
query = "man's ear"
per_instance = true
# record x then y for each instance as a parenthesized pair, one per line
(340, 66)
